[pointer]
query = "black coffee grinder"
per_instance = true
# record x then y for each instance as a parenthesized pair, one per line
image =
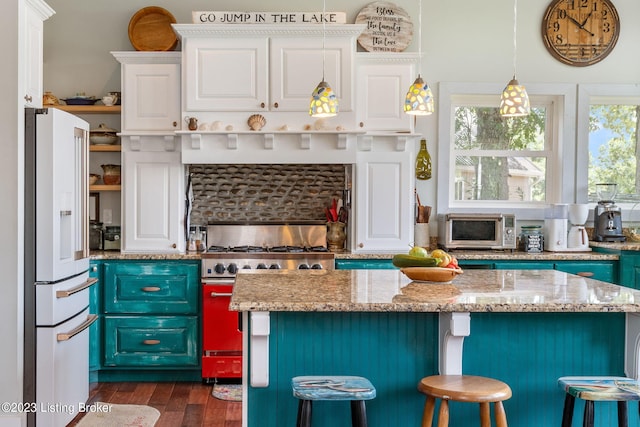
(607, 216)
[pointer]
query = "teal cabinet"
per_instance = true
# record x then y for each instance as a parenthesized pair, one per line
(95, 307)
(606, 271)
(630, 269)
(150, 341)
(359, 264)
(151, 319)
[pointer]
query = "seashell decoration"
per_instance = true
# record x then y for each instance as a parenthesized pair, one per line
(229, 127)
(340, 128)
(256, 121)
(217, 125)
(307, 127)
(284, 128)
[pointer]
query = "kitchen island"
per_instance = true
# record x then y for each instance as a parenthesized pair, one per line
(525, 327)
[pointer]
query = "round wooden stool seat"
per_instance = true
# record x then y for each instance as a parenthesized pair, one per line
(464, 388)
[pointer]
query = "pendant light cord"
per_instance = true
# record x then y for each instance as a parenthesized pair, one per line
(419, 37)
(324, 8)
(515, 29)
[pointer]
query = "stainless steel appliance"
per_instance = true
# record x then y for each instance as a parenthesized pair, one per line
(607, 216)
(477, 231)
(232, 247)
(111, 238)
(56, 291)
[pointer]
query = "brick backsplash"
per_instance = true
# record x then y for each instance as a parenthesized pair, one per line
(259, 192)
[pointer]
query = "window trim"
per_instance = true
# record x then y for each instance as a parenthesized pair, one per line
(594, 94)
(563, 164)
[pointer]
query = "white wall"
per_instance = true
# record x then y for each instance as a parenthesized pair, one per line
(466, 40)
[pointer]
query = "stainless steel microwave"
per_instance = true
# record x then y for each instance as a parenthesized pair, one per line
(477, 231)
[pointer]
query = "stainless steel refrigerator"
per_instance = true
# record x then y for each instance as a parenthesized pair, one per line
(57, 279)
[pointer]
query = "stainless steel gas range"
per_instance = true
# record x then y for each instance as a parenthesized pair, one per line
(232, 247)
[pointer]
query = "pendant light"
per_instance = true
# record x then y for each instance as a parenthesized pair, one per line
(419, 99)
(515, 101)
(324, 102)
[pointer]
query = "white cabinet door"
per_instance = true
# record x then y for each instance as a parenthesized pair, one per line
(225, 74)
(296, 69)
(151, 98)
(36, 12)
(381, 88)
(153, 195)
(383, 201)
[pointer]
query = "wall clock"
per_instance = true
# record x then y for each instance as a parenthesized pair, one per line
(580, 32)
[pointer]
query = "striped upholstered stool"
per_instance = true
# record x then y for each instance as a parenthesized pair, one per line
(593, 389)
(354, 389)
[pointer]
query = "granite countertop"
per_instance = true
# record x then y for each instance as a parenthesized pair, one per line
(500, 255)
(391, 291)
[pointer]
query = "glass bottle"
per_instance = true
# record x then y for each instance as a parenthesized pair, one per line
(423, 162)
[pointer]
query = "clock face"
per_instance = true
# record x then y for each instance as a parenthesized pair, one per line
(580, 32)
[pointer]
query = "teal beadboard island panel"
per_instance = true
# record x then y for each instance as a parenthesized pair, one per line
(529, 351)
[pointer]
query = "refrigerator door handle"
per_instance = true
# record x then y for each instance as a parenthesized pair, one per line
(68, 292)
(66, 336)
(82, 137)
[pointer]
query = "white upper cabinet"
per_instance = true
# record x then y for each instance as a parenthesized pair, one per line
(226, 74)
(381, 87)
(265, 67)
(151, 90)
(36, 12)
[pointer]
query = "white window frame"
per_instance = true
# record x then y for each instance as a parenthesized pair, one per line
(561, 164)
(589, 94)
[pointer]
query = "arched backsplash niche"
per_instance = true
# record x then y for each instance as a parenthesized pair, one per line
(265, 192)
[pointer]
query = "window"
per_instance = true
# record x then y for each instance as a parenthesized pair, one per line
(609, 144)
(488, 163)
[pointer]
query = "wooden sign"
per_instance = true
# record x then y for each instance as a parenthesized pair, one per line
(388, 27)
(268, 17)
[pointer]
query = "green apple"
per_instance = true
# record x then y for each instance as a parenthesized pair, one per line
(419, 252)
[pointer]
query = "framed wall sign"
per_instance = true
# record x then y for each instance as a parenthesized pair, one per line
(388, 27)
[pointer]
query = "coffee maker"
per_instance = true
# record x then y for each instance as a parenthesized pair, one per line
(607, 216)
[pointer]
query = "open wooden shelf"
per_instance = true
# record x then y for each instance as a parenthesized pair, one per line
(106, 148)
(102, 187)
(89, 109)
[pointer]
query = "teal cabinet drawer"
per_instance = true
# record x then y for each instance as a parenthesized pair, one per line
(524, 265)
(600, 270)
(144, 341)
(151, 287)
(358, 264)
(95, 307)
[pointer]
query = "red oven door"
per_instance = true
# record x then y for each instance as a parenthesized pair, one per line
(221, 337)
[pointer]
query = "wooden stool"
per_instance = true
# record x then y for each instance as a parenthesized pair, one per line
(592, 389)
(464, 388)
(354, 389)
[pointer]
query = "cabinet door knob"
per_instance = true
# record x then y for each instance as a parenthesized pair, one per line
(275, 104)
(175, 124)
(174, 246)
(262, 105)
(151, 342)
(361, 124)
(28, 98)
(361, 245)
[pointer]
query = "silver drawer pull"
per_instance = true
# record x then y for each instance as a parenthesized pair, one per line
(65, 213)
(220, 294)
(151, 289)
(68, 292)
(66, 336)
(151, 342)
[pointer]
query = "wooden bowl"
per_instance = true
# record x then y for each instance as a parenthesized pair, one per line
(150, 29)
(431, 274)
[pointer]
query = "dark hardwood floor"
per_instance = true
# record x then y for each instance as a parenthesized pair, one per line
(180, 404)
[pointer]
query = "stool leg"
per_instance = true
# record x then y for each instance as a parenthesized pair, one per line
(304, 413)
(567, 412)
(485, 415)
(587, 421)
(623, 420)
(358, 413)
(429, 407)
(501, 416)
(443, 414)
